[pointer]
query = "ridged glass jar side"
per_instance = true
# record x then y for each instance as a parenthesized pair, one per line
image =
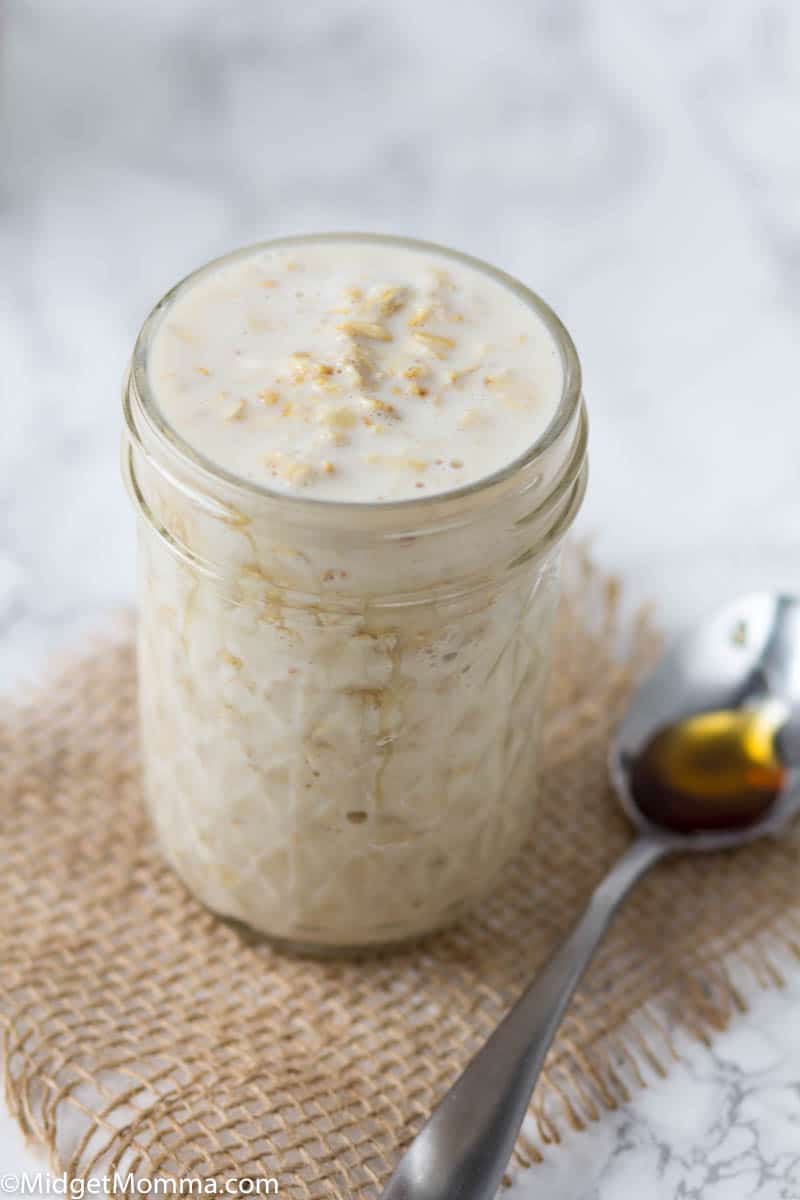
(340, 703)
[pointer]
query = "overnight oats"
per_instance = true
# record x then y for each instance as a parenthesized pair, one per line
(354, 460)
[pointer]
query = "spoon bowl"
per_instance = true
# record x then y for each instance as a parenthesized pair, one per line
(744, 659)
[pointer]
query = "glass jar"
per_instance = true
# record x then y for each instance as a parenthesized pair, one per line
(340, 701)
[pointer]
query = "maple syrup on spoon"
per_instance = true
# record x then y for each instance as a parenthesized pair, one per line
(713, 770)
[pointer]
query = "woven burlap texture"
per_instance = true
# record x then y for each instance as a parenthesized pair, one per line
(143, 1035)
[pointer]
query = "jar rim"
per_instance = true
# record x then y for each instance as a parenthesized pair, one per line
(569, 401)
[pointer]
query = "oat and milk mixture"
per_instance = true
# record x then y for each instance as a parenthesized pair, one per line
(340, 703)
(355, 372)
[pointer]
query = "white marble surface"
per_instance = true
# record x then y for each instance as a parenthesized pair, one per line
(636, 161)
(724, 1125)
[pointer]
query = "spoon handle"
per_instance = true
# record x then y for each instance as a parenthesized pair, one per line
(462, 1151)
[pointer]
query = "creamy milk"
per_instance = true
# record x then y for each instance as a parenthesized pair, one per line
(355, 371)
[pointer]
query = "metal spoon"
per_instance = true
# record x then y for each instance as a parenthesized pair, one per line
(745, 661)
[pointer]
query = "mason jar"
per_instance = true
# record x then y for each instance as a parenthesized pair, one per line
(340, 701)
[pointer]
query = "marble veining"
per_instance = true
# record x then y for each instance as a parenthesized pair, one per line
(635, 162)
(724, 1124)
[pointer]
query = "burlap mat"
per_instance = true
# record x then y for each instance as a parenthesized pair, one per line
(143, 1035)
